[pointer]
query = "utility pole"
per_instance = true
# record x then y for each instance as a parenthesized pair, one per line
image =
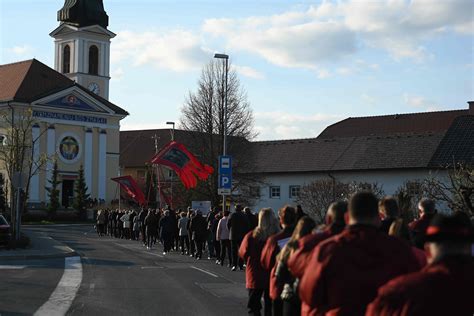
(172, 174)
(158, 195)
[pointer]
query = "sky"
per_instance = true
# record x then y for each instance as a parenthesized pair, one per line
(304, 64)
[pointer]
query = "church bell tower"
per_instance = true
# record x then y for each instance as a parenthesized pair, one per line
(82, 44)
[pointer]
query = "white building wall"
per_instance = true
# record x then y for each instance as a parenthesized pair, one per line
(390, 180)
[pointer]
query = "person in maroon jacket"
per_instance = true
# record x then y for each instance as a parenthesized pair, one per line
(345, 271)
(445, 286)
(427, 210)
(272, 247)
(335, 221)
(257, 278)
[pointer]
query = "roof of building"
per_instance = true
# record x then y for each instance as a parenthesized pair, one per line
(424, 122)
(457, 145)
(346, 153)
(83, 13)
(30, 80)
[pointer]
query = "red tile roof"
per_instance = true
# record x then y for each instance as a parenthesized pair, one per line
(29, 80)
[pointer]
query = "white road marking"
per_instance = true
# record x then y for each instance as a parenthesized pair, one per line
(62, 297)
(151, 268)
(137, 248)
(10, 267)
(154, 254)
(205, 271)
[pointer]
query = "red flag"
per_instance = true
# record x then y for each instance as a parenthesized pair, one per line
(130, 186)
(178, 158)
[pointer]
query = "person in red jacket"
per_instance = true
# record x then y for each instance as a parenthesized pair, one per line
(298, 260)
(257, 278)
(427, 210)
(445, 286)
(272, 247)
(345, 271)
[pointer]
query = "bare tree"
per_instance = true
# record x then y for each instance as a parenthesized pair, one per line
(16, 150)
(458, 192)
(316, 196)
(203, 112)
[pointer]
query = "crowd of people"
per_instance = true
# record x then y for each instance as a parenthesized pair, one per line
(365, 259)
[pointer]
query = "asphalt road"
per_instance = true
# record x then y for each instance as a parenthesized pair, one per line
(121, 277)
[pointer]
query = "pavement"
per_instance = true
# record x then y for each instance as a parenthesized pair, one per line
(41, 246)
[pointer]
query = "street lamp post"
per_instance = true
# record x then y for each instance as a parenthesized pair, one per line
(171, 178)
(224, 149)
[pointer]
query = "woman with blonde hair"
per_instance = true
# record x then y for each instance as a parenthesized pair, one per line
(256, 277)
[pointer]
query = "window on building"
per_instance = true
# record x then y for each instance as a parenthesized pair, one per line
(93, 60)
(274, 192)
(66, 59)
(294, 191)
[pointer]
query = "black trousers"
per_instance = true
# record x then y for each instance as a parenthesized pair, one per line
(167, 242)
(236, 260)
(225, 250)
(199, 246)
(277, 307)
(192, 246)
(183, 240)
(254, 306)
(217, 248)
(292, 308)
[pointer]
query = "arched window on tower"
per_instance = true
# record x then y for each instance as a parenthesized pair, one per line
(66, 59)
(93, 60)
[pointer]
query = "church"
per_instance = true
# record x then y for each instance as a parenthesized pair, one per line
(74, 122)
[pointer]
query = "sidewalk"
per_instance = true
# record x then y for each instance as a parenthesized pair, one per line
(41, 246)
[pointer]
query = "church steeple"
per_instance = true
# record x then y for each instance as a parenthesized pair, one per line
(82, 13)
(82, 44)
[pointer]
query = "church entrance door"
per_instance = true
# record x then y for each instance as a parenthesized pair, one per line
(67, 193)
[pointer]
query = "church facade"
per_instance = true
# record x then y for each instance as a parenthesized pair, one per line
(74, 123)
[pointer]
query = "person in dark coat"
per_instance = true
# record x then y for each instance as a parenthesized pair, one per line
(345, 271)
(274, 244)
(192, 246)
(251, 218)
(238, 226)
(167, 228)
(213, 232)
(210, 218)
(445, 286)
(298, 260)
(199, 232)
(256, 277)
(141, 217)
(427, 210)
(151, 228)
(132, 216)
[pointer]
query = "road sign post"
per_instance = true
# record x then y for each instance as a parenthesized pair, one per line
(225, 175)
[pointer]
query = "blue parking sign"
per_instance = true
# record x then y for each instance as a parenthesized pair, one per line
(225, 181)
